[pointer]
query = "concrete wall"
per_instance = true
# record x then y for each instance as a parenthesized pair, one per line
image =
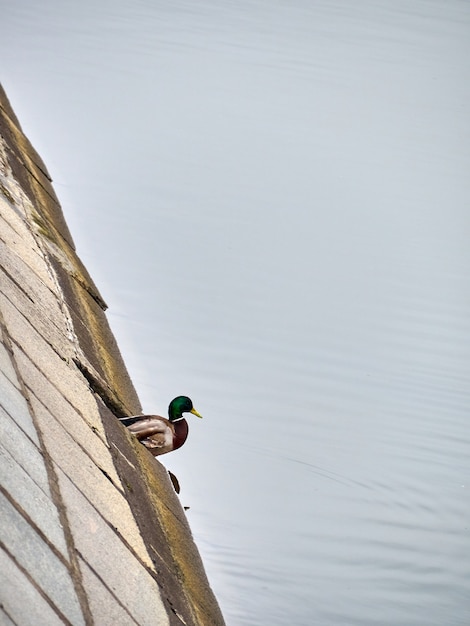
(92, 531)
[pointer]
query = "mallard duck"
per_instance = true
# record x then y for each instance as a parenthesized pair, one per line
(161, 435)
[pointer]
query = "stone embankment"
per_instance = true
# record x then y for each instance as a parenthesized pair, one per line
(92, 531)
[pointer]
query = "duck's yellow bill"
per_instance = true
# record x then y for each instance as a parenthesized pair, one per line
(194, 412)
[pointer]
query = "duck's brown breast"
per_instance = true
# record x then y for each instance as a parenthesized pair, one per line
(181, 433)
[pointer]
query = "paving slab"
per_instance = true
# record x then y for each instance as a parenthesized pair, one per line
(17, 236)
(6, 366)
(105, 607)
(94, 485)
(111, 560)
(34, 501)
(82, 428)
(26, 453)
(21, 601)
(14, 403)
(42, 565)
(44, 371)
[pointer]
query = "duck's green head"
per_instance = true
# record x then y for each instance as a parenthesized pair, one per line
(180, 405)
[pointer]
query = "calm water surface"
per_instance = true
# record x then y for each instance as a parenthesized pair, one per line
(273, 198)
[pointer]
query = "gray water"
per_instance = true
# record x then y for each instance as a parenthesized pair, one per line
(273, 198)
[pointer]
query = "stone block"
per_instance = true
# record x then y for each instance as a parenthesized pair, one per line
(90, 480)
(40, 562)
(105, 608)
(81, 428)
(25, 452)
(48, 366)
(20, 272)
(39, 305)
(33, 500)
(13, 402)
(119, 570)
(19, 239)
(20, 599)
(56, 368)
(6, 366)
